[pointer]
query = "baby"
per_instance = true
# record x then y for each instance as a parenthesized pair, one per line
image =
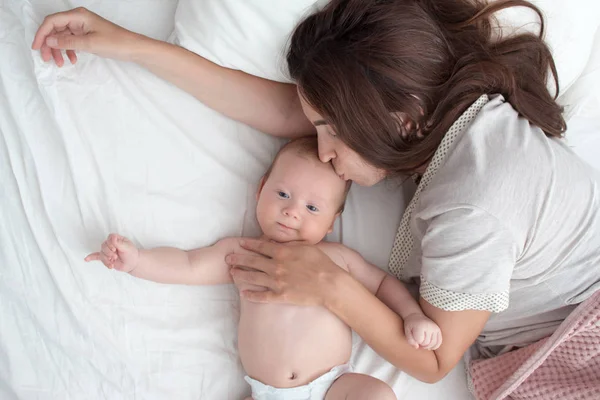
(288, 352)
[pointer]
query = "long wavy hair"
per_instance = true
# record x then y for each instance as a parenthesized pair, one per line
(391, 76)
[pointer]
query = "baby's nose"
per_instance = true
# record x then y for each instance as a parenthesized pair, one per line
(291, 212)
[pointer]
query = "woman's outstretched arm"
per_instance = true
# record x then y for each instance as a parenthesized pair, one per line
(271, 107)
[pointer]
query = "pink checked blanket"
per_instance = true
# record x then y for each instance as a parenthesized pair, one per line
(563, 366)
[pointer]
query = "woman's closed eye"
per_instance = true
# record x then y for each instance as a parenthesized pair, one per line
(283, 195)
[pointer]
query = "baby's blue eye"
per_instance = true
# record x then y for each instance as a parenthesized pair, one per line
(312, 208)
(283, 195)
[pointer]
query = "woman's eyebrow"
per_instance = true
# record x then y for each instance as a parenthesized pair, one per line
(320, 122)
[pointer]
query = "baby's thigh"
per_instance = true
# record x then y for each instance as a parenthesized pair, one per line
(359, 387)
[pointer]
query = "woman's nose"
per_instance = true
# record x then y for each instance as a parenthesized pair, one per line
(326, 151)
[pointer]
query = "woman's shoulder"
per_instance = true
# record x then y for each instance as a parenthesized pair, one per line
(500, 155)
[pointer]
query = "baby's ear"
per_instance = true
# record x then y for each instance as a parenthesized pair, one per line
(333, 222)
(261, 184)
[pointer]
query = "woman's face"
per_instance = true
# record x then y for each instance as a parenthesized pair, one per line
(348, 164)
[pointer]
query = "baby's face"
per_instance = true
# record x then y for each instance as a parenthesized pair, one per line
(300, 199)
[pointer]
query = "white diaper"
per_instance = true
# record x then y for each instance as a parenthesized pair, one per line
(315, 390)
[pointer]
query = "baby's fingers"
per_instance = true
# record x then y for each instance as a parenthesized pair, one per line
(92, 257)
(109, 243)
(120, 243)
(438, 341)
(427, 339)
(435, 341)
(107, 261)
(410, 338)
(108, 250)
(99, 256)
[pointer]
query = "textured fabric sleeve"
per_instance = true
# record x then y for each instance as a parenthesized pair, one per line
(468, 258)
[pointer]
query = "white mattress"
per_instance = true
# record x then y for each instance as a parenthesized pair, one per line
(106, 146)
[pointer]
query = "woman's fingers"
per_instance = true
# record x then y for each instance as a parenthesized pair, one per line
(268, 249)
(46, 53)
(45, 50)
(46, 28)
(72, 19)
(72, 56)
(261, 297)
(256, 262)
(61, 38)
(68, 41)
(294, 273)
(49, 26)
(65, 40)
(253, 278)
(57, 56)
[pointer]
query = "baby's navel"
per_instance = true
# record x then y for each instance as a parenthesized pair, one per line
(293, 376)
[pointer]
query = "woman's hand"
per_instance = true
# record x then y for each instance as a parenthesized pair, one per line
(81, 29)
(293, 273)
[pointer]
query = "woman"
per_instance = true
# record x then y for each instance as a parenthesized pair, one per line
(503, 234)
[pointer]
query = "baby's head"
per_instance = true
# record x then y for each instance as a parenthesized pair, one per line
(300, 197)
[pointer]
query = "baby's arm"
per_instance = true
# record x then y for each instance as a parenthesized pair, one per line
(420, 331)
(204, 266)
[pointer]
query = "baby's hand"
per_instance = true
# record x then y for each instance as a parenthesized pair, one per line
(117, 252)
(421, 332)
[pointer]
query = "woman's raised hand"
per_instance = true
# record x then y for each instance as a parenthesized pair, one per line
(82, 30)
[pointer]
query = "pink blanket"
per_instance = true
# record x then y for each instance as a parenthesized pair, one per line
(563, 366)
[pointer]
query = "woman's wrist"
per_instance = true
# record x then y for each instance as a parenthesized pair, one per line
(336, 286)
(142, 47)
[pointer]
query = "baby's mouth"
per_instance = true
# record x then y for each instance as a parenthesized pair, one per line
(285, 226)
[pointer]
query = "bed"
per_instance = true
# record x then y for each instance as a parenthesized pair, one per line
(105, 146)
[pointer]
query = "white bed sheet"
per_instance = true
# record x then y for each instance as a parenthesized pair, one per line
(106, 146)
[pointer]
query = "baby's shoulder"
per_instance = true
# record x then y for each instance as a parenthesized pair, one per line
(335, 251)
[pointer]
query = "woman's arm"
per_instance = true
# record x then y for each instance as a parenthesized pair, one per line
(383, 330)
(268, 106)
(304, 275)
(384, 286)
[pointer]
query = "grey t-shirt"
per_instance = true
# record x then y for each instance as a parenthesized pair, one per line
(509, 223)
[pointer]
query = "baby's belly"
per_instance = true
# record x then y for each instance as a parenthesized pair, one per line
(287, 346)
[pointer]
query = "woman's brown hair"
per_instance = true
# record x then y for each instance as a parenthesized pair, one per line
(391, 76)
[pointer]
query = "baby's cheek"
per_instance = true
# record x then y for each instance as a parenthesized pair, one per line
(313, 233)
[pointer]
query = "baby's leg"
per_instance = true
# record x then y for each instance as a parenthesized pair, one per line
(359, 387)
